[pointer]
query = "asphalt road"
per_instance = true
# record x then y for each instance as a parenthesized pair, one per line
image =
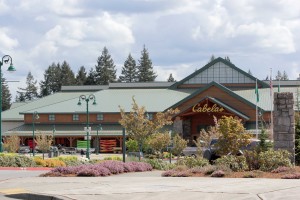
(143, 185)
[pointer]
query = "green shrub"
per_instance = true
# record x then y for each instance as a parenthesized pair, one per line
(132, 145)
(273, 159)
(191, 162)
(15, 160)
(252, 159)
(70, 160)
(159, 164)
(118, 158)
(235, 163)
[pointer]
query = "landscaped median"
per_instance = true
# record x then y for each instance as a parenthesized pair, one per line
(103, 168)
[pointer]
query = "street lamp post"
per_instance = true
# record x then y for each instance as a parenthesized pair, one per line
(35, 116)
(5, 60)
(99, 128)
(53, 135)
(87, 99)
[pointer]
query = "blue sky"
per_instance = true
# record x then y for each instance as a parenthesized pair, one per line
(180, 35)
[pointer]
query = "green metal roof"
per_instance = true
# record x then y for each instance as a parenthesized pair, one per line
(108, 101)
(14, 112)
(265, 101)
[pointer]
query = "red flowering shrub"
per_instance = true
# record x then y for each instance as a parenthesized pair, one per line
(291, 176)
(105, 168)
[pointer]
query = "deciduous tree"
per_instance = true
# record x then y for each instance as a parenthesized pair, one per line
(232, 135)
(11, 143)
(159, 141)
(43, 142)
(139, 127)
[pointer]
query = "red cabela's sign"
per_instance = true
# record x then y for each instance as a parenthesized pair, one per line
(206, 108)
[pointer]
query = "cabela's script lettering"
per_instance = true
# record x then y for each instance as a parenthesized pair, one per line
(206, 108)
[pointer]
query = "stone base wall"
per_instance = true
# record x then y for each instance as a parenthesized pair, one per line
(284, 122)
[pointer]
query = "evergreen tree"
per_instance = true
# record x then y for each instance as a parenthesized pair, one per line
(212, 58)
(129, 70)
(171, 79)
(227, 58)
(67, 75)
(278, 76)
(91, 80)
(267, 78)
(6, 95)
(249, 72)
(81, 76)
(52, 80)
(30, 92)
(285, 76)
(105, 69)
(145, 68)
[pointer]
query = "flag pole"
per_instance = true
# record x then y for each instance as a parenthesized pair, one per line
(271, 101)
(256, 114)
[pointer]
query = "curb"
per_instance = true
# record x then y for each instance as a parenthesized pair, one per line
(26, 168)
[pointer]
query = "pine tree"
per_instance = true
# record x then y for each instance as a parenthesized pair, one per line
(52, 80)
(145, 68)
(81, 76)
(6, 95)
(278, 76)
(105, 69)
(285, 76)
(67, 75)
(171, 79)
(90, 79)
(30, 92)
(249, 72)
(227, 58)
(212, 58)
(129, 70)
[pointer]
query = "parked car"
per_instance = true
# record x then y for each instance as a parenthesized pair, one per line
(24, 149)
(190, 151)
(211, 152)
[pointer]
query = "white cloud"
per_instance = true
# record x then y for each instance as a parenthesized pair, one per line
(180, 35)
(275, 37)
(7, 42)
(3, 7)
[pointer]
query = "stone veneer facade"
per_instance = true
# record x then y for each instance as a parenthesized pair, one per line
(284, 122)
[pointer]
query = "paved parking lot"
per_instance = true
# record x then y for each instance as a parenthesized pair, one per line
(146, 185)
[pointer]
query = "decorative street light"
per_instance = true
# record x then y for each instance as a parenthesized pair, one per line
(98, 149)
(53, 135)
(87, 99)
(35, 116)
(5, 60)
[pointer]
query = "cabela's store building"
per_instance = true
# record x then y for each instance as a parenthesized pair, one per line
(217, 89)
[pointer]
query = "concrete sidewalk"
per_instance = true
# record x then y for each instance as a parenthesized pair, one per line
(149, 185)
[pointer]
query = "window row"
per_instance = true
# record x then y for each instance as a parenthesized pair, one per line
(51, 117)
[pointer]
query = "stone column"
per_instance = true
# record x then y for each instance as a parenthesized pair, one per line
(177, 126)
(284, 122)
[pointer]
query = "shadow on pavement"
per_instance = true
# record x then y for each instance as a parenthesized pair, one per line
(28, 196)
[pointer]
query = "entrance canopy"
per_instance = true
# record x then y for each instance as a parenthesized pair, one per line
(210, 105)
